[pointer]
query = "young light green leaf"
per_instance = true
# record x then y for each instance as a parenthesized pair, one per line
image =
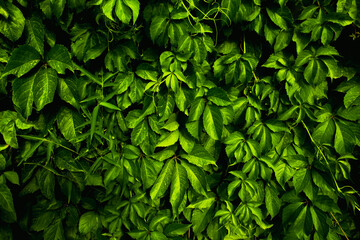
(122, 11)
(213, 121)
(324, 132)
(44, 87)
(163, 181)
(158, 25)
(22, 60)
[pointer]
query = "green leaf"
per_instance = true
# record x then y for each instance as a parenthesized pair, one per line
(57, 7)
(163, 181)
(44, 87)
(199, 156)
(134, 5)
(324, 132)
(55, 231)
(22, 60)
(201, 218)
(301, 179)
(272, 201)
(7, 209)
(166, 106)
(168, 139)
(89, 222)
(179, 184)
(67, 89)
(108, 7)
(12, 27)
(196, 110)
(157, 27)
(283, 173)
(196, 177)
(352, 96)
(344, 139)
(12, 176)
(68, 121)
(59, 59)
(140, 133)
(176, 229)
(277, 19)
(213, 121)
(282, 40)
(315, 72)
(46, 182)
(23, 96)
(149, 171)
(7, 128)
(122, 11)
(218, 96)
(36, 33)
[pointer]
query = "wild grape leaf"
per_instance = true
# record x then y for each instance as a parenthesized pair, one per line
(46, 81)
(13, 25)
(163, 181)
(59, 59)
(213, 121)
(22, 60)
(7, 209)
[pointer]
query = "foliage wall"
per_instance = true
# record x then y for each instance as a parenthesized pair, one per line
(181, 119)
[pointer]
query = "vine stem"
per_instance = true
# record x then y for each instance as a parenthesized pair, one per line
(337, 222)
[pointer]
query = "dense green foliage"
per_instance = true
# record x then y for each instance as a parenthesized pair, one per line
(181, 119)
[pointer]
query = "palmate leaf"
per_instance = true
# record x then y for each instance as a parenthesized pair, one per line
(22, 60)
(149, 171)
(196, 178)
(46, 81)
(199, 156)
(89, 222)
(344, 139)
(163, 180)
